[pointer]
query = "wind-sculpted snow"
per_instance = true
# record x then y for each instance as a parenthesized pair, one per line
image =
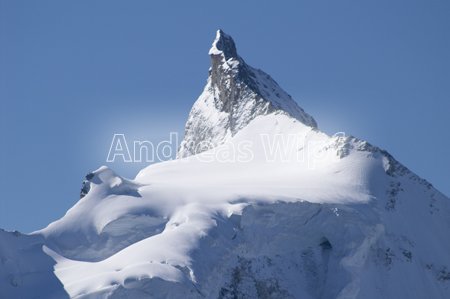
(262, 228)
(277, 209)
(111, 227)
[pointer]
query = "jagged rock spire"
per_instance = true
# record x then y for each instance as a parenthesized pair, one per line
(234, 95)
(223, 45)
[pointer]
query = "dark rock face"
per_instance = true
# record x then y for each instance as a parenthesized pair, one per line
(86, 185)
(234, 95)
(226, 45)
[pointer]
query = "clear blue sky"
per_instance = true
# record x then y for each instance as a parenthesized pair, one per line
(72, 73)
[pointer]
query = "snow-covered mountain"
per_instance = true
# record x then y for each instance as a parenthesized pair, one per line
(276, 209)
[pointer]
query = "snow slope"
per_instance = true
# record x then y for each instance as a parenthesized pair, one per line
(320, 217)
(26, 271)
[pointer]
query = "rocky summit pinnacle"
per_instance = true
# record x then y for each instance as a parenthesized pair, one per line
(223, 45)
(234, 95)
